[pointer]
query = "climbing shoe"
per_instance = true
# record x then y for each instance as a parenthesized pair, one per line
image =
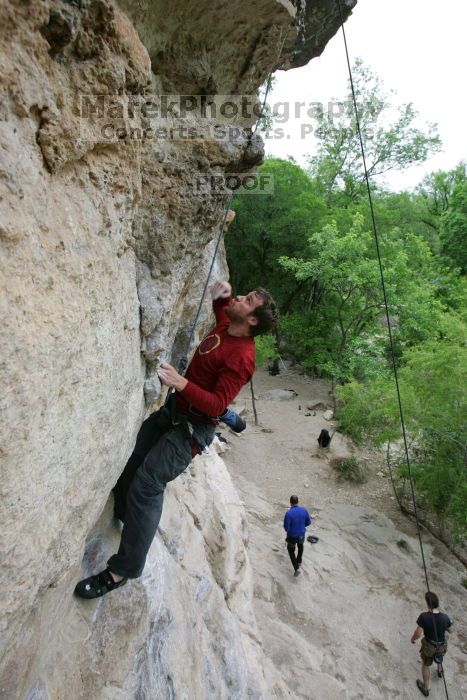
(297, 572)
(98, 585)
(422, 689)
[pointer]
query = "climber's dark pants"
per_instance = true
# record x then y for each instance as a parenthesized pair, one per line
(293, 542)
(162, 453)
(150, 432)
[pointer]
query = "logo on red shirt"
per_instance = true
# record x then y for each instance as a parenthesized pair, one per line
(210, 343)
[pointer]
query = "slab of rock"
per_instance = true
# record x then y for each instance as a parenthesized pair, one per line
(194, 601)
(104, 252)
(317, 406)
(279, 395)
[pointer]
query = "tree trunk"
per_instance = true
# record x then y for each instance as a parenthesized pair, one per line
(253, 402)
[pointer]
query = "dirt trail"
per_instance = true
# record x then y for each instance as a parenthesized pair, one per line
(341, 630)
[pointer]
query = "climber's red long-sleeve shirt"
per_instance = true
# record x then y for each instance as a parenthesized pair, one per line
(220, 367)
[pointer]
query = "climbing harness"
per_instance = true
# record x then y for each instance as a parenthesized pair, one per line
(383, 287)
(181, 421)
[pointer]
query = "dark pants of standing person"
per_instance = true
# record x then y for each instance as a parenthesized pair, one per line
(162, 452)
(293, 542)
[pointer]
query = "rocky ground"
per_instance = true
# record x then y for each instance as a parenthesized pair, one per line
(342, 629)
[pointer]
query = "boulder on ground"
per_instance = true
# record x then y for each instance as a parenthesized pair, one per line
(279, 395)
(317, 406)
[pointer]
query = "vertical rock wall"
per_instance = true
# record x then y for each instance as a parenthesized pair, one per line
(104, 250)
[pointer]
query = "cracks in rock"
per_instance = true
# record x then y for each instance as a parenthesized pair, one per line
(59, 30)
(250, 54)
(196, 520)
(150, 660)
(39, 115)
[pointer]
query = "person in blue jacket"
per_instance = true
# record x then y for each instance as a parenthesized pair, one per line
(296, 520)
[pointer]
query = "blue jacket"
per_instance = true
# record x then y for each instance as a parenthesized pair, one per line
(296, 521)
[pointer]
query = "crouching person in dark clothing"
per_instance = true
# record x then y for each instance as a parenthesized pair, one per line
(296, 520)
(221, 365)
(324, 439)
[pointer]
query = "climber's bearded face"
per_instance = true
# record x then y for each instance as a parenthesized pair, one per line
(241, 308)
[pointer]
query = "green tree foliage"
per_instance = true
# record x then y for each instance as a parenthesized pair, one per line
(433, 397)
(407, 212)
(390, 142)
(341, 268)
(270, 225)
(437, 188)
(348, 321)
(453, 237)
(311, 244)
(266, 349)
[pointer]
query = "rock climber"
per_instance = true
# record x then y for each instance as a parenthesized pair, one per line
(221, 365)
(296, 520)
(433, 624)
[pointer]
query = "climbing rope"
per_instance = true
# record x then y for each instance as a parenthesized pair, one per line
(391, 342)
(183, 363)
(184, 360)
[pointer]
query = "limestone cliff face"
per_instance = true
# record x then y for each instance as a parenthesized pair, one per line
(184, 630)
(104, 251)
